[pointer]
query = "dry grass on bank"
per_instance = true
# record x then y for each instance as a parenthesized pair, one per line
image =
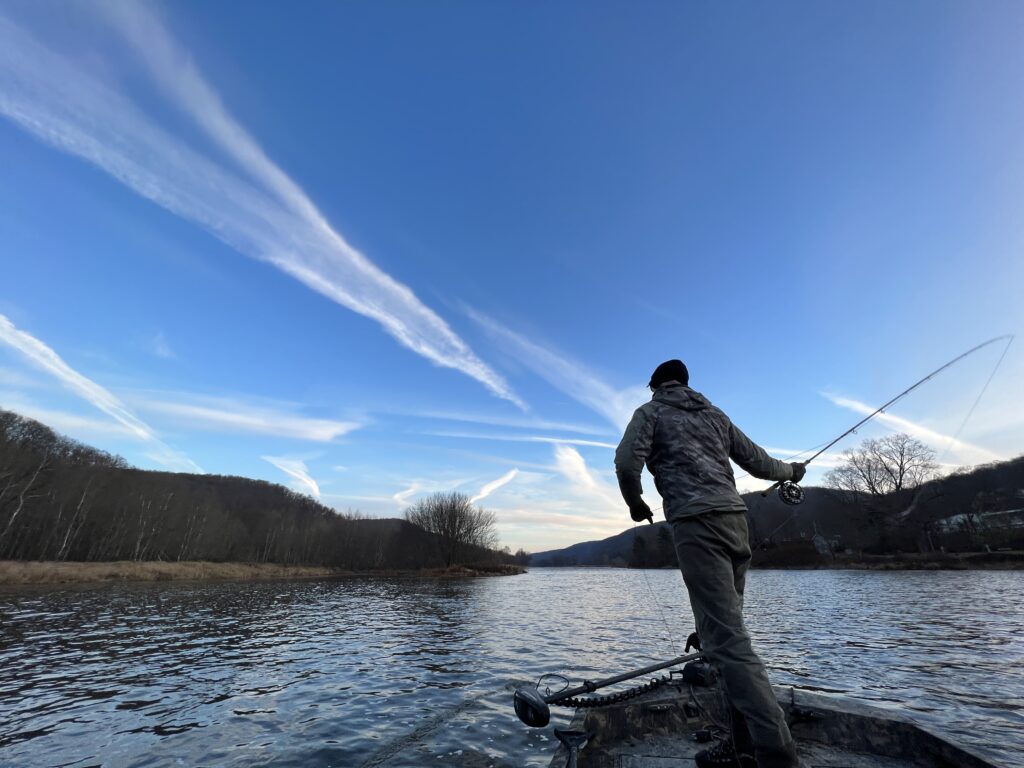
(36, 572)
(485, 569)
(42, 572)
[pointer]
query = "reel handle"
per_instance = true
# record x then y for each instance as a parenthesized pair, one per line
(790, 493)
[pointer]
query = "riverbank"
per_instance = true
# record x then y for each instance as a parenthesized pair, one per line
(1010, 560)
(45, 572)
(933, 561)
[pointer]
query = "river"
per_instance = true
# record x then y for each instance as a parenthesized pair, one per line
(419, 672)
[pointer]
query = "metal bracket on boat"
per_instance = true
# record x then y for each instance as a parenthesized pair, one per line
(534, 709)
(573, 741)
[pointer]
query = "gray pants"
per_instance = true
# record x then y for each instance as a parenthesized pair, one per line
(714, 556)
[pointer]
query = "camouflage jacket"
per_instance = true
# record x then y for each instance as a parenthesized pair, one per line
(686, 443)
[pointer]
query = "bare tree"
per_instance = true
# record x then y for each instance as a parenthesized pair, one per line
(455, 521)
(888, 465)
(23, 495)
(875, 476)
(75, 525)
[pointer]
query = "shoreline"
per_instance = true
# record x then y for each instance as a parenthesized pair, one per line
(36, 572)
(966, 561)
(963, 561)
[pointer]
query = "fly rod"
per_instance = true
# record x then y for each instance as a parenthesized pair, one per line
(791, 493)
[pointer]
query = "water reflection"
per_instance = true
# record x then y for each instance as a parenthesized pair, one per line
(418, 672)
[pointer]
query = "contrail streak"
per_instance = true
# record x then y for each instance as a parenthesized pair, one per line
(54, 98)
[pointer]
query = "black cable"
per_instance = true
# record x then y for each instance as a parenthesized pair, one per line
(607, 699)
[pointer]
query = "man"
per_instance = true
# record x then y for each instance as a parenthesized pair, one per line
(686, 443)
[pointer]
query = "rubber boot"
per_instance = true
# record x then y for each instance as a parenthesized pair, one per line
(723, 755)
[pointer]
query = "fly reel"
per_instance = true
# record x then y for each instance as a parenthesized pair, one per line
(790, 493)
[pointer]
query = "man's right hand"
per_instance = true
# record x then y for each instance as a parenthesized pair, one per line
(799, 470)
(632, 494)
(639, 511)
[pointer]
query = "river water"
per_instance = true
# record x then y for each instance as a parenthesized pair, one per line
(419, 672)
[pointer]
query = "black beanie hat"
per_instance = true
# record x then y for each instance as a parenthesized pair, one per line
(670, 370)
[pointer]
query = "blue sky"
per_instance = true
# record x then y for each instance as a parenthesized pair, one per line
(375, 250)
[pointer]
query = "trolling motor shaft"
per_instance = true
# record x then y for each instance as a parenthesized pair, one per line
(534, 710)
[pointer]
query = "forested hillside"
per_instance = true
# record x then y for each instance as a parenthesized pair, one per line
(62, 500)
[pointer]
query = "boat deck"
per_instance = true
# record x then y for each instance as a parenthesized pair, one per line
(678, 752)
(658, 731)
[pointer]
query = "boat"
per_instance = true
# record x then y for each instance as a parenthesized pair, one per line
(664, 724)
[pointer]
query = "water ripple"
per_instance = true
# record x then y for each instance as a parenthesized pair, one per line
(392, 672)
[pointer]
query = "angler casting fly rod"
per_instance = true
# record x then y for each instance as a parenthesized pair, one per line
(791, 493)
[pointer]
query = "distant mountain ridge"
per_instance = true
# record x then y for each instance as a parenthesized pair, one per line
(949, 513)
(618, 550)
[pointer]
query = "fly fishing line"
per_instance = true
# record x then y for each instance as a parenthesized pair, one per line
(791, 493)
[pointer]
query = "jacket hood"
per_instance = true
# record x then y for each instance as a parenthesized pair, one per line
(679, 396)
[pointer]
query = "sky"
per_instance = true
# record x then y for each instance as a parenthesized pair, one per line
(378, 250)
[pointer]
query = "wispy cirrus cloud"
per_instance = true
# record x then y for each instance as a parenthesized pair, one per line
(46, 359)
(231, 415)
(497, 420)
(266, 217)
(586, 484)
(160, 347)
(943, 443)
(402, 497)
(440, 483)
(552, 528)
(298, 471)
(565, 374)
(494, 485)
(72, 424)
(828, 459)
(523, 438)
(12, 378)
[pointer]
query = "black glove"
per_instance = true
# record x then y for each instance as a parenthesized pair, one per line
(693, 641)
(632, 494)
(799, 470)
(639, 511)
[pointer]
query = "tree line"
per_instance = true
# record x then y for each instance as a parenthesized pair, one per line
(888, 495)
(65, 501)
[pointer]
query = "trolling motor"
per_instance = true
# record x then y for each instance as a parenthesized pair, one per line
(533, 708)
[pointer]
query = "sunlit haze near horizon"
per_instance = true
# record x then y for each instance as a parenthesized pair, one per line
(373, 251)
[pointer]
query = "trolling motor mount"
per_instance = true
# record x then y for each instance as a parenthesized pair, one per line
(791, 493)
(532, 706)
